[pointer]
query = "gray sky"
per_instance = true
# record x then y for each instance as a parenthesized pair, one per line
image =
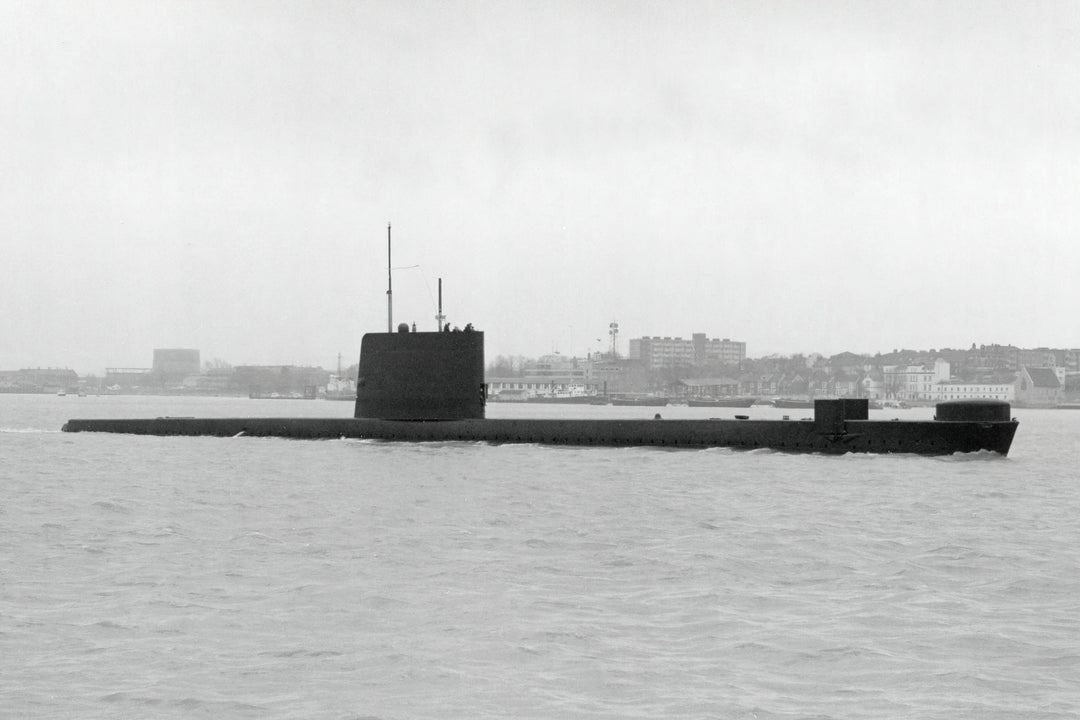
(805, 177)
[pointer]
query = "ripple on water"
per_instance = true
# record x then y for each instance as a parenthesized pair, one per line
(236, 578)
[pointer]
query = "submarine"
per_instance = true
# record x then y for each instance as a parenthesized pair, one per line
(429, 387)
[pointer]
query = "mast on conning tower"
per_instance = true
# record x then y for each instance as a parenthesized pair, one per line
(440, 317)
(389, 286)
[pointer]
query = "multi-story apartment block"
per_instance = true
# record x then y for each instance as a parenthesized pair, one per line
(666, 352)
(724, 351)
(662, 352)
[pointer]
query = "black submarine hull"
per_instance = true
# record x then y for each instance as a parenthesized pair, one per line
(429, 387)
(931, 437)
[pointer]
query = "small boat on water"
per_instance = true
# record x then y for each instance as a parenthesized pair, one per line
(345, 396)
(735, 402)
(793, 403)
(509, 396)
(563, 400)
(309, 393)
(575, 395)
(339, 388)
(641, 401)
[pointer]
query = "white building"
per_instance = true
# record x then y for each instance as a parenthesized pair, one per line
(950, 390)
(531, 386)
(914, 382)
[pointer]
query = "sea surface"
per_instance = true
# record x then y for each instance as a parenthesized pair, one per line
(147, 577)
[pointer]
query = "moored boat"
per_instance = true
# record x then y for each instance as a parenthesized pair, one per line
(735, 402)
(639, 401)
(339, 388)
(792, 403)
(563, 399)
(575, 395)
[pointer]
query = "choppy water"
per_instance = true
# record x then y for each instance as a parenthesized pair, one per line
(266, 578)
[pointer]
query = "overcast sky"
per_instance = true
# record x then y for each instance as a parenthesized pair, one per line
(804, 177)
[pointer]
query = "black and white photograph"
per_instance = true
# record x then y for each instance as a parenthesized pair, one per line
(379, 360)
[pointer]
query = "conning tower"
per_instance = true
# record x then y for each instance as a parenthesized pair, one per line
(421, 375)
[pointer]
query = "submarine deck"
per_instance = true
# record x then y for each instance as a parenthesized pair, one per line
(924, 437)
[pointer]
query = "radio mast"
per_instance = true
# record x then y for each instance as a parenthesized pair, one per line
(389, 286)
(440, 317)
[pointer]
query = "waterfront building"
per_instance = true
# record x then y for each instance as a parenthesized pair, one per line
(914, 382)
(35, 380)
(751, 384)
(556, 365)
(172, 365)
(619, 375)
(128, 378)
(1038, 387)
(958, 390)
(872, 385)
(280, 380)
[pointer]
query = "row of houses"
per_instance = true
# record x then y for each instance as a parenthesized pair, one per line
(39, 380)
(1028, 386)
(256, 380)
(923, 384)
(930, 383)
